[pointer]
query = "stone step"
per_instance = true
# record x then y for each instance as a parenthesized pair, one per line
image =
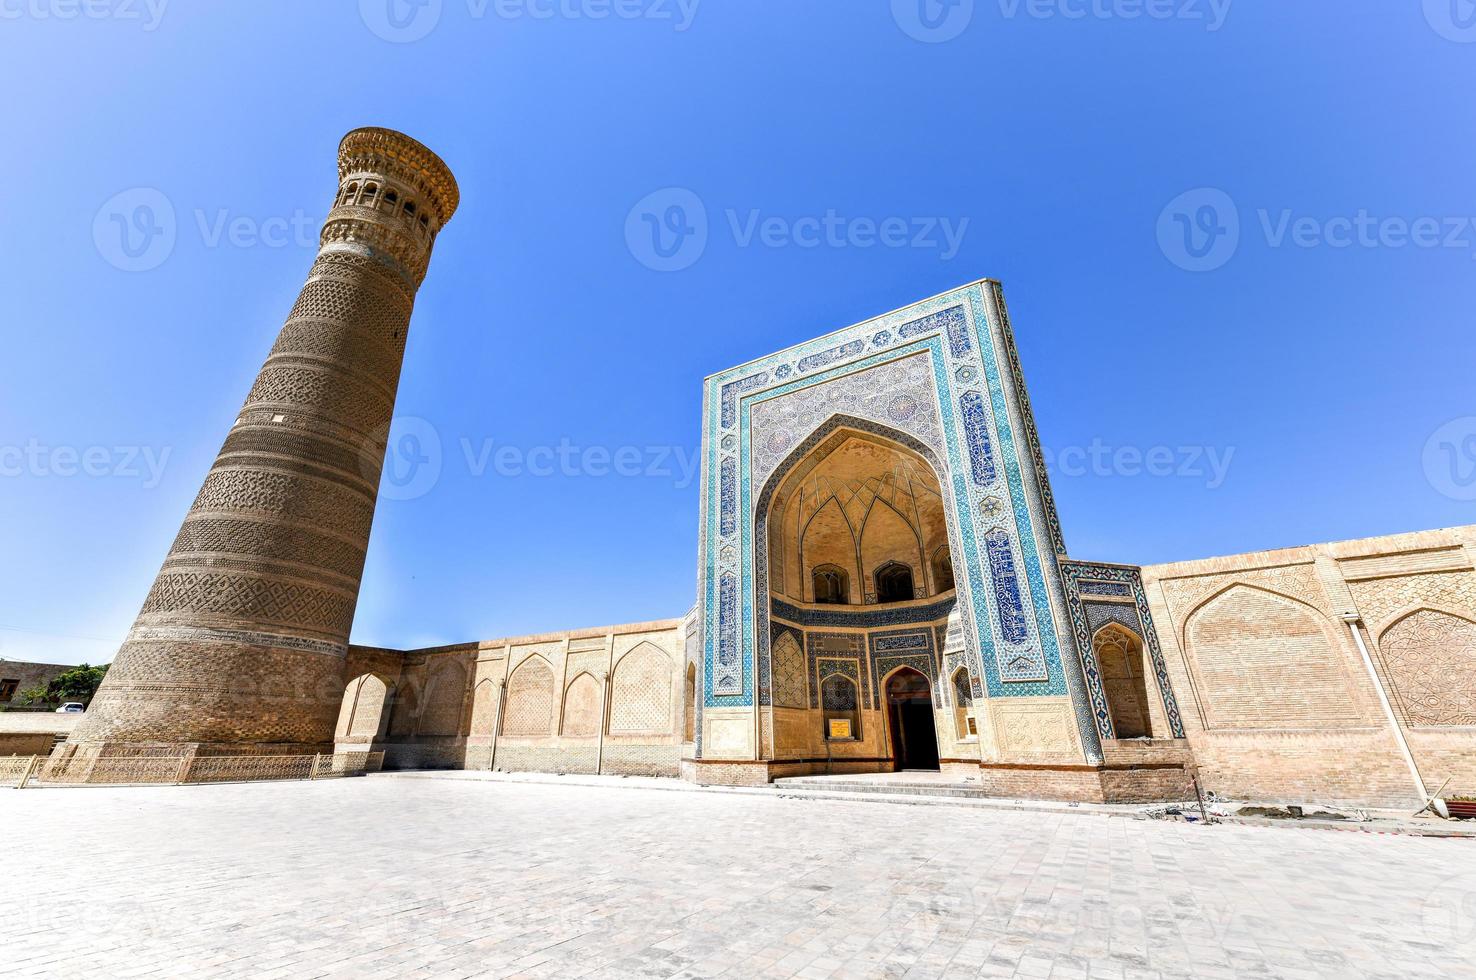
(870, 787)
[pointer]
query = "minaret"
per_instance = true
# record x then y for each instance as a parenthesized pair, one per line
(240, 644)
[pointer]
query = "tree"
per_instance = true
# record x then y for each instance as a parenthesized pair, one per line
(34, 695)
(77, 683)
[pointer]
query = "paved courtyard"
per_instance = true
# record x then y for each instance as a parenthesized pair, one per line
(392, 876)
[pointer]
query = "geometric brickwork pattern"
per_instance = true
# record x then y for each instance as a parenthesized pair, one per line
(262, 579)
(1431, 659)
(789, 673)
(640, 691)
(530, 699)
(1265, 660)
(445, 694)
(582, 707)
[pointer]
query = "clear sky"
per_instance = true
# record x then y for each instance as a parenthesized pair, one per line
(1236, 238)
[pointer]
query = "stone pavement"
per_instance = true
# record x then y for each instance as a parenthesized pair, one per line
(391, 877)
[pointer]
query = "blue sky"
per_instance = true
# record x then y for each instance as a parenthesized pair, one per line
(1237, 237)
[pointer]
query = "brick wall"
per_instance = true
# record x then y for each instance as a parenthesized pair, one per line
(1278, 702)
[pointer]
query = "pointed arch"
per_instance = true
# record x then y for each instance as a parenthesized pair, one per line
(879, 546)
(1429, 657)
(362, 715)
(941, 568)
(689, 704)
(961, 691)
(484, 707)
(1263, 659)
(828, 538)
(583, 706)
(530, 699)
(840, 701)
(1119, 653)
(1254, 586)
(789, 673)
(445, 695)
(640, 690)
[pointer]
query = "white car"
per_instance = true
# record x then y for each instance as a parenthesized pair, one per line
(70, 707)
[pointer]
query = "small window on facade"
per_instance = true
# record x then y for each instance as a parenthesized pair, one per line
(839, 703)
(425, 221)
(943, 569)
(390, 197)
(963, 702)
(371, 191)
(832, 585)
(893, 582)
(410, 207)
(7, 688)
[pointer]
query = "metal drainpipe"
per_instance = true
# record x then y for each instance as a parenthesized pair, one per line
(1353, 619)
(604, 708)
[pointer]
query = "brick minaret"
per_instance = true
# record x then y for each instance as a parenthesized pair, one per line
(240, 644)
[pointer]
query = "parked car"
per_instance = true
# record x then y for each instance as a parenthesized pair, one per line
(70, 707)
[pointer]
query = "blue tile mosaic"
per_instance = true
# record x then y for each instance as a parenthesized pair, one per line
(728, 496)
(976, 430)
(1086, 617)
(831, 356)
(950, 326)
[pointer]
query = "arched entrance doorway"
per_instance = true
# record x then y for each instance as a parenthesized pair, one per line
(909, 699)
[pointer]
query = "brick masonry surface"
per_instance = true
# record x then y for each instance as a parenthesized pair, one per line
(391, 876)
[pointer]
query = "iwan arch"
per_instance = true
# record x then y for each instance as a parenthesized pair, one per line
(883, 584)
